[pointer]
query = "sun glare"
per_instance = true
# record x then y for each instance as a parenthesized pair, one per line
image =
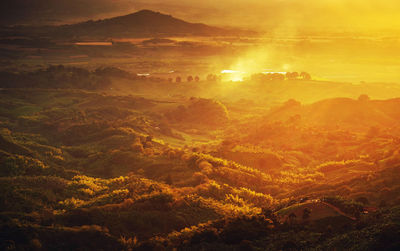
(200, 125)
(233, 76)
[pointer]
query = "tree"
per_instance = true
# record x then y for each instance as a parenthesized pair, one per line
(382, 203)
(364, 98)
(197, 79)
(292, 75)
(178, 79)
(278, 76)
(189, 78)
(149, 138)
(211, 77)
(259, 77)
(292, 218)
(306, 213)
(363, 200)
(267, 212)
(305, 76)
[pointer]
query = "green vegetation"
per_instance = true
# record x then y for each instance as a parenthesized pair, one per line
(79, 163)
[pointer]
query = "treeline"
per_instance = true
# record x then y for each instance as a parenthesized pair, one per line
(281, 76)
(62, 77)
(376, 231)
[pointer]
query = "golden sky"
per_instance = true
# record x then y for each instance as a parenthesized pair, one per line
(365, 15)
(345, 14)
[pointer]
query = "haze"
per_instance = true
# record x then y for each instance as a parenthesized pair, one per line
(199, 125)
(293, 15)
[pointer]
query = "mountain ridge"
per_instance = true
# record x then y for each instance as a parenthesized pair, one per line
(144, 23)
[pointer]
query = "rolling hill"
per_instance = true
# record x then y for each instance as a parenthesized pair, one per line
(344, 112)
(144, 23)
(318, 210)
(79, 163)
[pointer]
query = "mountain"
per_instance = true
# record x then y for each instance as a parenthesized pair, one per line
(145, 23)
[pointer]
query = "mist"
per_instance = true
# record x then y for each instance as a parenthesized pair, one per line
(269, 16)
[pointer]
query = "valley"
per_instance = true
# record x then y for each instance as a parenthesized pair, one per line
(146, 132)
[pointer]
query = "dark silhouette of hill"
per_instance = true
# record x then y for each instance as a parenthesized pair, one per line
(143, 23)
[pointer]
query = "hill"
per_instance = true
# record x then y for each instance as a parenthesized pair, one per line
(316, 210)
(144, 23)
(340, 112)
(78, 162)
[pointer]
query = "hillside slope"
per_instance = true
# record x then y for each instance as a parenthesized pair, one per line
(144, 23)
(78, 163)
(346, 113)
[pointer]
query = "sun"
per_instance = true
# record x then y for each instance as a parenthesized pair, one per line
(233, 75)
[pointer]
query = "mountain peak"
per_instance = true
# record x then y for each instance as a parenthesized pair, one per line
(143, 23)
(145, 12)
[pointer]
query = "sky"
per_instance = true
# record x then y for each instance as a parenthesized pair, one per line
(346, 15)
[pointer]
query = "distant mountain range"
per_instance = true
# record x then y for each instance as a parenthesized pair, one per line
(144, 23)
